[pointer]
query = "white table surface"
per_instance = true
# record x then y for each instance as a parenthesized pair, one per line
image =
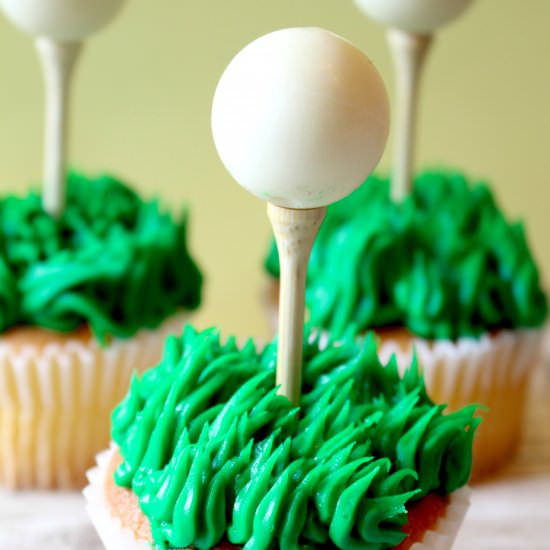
(509, 512)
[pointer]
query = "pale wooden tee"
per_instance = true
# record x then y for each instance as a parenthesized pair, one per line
(295, 232)
(58, 61)
(409, 52)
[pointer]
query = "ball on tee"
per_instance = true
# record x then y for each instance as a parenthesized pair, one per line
(63, 20)
(300, 117)
(418, 16)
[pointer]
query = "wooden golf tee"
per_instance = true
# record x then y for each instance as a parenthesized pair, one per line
(409, 52)
(295, 232)
(58, 60)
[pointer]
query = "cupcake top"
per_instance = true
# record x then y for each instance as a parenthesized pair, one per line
(112, 260)
(444, 263)
(213, 453)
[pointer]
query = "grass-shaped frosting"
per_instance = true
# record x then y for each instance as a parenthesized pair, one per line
(111, 260)
(213, 453)
(444, 263)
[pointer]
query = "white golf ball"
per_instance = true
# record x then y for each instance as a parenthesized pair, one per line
(63, 20)
(300, 117)
(418, 16)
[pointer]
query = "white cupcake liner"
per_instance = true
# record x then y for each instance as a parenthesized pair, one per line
(116, 537)
(493, 371)
(446, 530)
(109, 528)
(56, 401)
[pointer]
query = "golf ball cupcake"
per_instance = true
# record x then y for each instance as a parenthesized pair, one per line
(444, 274)
(207, 454)
(86, 299)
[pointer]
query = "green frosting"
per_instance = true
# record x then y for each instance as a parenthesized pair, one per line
(111, 260)
(444, 263)
(212, 452)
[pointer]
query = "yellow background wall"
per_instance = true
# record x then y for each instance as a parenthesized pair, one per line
(142, 110)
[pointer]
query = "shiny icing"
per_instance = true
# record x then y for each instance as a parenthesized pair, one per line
(444, 263)
(112, 261)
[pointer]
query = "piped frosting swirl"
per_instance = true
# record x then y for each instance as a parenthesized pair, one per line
(444, 263)
(212, 452)
(111, 260)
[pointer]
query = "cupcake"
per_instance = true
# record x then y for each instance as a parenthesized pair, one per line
(445, 274)
(85, 300)
(206, 454)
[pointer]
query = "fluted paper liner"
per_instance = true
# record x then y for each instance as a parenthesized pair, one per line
(116, 537)
(109, 528)
(446, 530)
(56, 402)
(493, 371)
